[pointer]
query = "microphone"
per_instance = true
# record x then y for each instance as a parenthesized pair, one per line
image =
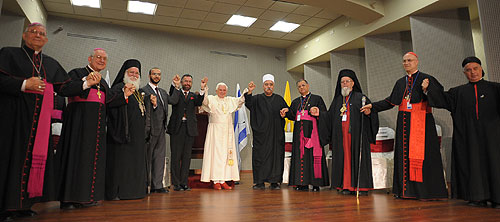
(363, 101)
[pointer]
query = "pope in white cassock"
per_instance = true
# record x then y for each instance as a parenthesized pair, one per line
(219, 155)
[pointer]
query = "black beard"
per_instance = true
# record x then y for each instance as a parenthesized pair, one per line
(152, 81)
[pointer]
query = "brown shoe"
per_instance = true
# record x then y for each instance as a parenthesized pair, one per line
(226, 187)
(217, 186)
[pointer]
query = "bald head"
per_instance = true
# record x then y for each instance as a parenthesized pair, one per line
(410, 63)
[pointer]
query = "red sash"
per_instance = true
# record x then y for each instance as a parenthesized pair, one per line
(92, 97)
(41, 145)
(417, 137)
(311, 143)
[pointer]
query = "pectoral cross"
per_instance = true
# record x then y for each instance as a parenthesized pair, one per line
(98, 92)
(407, 97)
(343, 109)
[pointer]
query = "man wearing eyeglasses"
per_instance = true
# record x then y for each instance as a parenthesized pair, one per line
(156, 128)
(83, 140)
(418, 169)
(28, 81)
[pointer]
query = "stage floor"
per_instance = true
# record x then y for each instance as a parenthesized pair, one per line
(245, 204)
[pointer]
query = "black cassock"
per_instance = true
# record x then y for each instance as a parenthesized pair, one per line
(19, 118)
(336, 136)
(433, 185)
(302, 169)
(81, 154)
(126, 154)
(268, 152)
(475, 166)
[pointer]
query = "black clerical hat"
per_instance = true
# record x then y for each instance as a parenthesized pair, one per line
(126, 65)
(351, 74)
(471, 59)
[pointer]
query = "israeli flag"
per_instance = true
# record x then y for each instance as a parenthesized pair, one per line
(241, 127)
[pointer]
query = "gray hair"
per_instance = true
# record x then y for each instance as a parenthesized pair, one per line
(34, 24)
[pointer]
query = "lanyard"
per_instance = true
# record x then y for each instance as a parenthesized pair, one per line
(412, 84)
(302, 104)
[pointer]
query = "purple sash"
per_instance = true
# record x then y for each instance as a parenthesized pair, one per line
(93, 97)
(312, 142)
(41, 145)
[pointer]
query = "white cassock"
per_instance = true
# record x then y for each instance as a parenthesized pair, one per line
(219, 155)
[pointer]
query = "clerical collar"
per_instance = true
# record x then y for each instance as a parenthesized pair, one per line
(306, 95)
(30, 50)
(411, 75)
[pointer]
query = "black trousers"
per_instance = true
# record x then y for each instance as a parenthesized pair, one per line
(181, 145)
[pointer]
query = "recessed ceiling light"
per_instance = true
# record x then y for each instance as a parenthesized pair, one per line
(87, 3)
(284, 26)
(141, 7)
(240, 20)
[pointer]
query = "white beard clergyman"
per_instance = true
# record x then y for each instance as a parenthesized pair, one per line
(345, 91)
(136, 83)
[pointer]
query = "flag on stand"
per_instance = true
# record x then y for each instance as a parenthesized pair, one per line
(241, 127)
(288, 100)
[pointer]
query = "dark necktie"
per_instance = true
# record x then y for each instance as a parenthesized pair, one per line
(185, 95)
(158, 95)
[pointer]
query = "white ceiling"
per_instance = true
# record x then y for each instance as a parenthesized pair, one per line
(207, 17)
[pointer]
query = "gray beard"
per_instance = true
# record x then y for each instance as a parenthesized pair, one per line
(345, 91)
(136, 83)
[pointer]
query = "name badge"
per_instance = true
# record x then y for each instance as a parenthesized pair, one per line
(298, 117)
(408, 105)
(344, 117)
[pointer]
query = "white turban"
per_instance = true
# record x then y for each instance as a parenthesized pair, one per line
(267, 77)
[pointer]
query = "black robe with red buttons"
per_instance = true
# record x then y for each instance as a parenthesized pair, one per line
(19, 118)
(475, 166)
(433, 185)
(302, 169)
(81, 154)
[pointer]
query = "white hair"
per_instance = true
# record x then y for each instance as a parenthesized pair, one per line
(220, 84)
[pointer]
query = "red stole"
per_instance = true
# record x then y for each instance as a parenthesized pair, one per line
(311, 143)
(41, 145)
(92, 97)
(417, 137)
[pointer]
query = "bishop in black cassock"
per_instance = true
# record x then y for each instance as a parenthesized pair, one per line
(81, 156)
(28, 80)
(268, 152)
(475, 109)
(418, 168)
(308, 164)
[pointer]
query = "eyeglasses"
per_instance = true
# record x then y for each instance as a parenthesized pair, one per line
(156, 73)
(345, 81)
(101, 57)
(35, 32)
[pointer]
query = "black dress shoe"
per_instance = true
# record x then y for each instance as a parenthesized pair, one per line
(275, 186)
(346, 192)
(161, 190)
(236, 182)
(6, 216)
(397, 197)
(259, 186)
(315, 189)
(481, 203)
(24, 213)
(186, 188)
(363, 193)
(302, 188)
(177, 188)
(67, 206)
(495, 205)
(89, 204)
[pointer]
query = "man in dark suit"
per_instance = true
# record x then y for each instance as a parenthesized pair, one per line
(156, 126)
(183, 129)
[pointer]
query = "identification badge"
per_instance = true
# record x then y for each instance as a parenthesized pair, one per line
(344, 117)
(408, 105)
(298, 117)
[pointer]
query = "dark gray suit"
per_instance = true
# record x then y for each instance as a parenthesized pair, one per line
(156, 126)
